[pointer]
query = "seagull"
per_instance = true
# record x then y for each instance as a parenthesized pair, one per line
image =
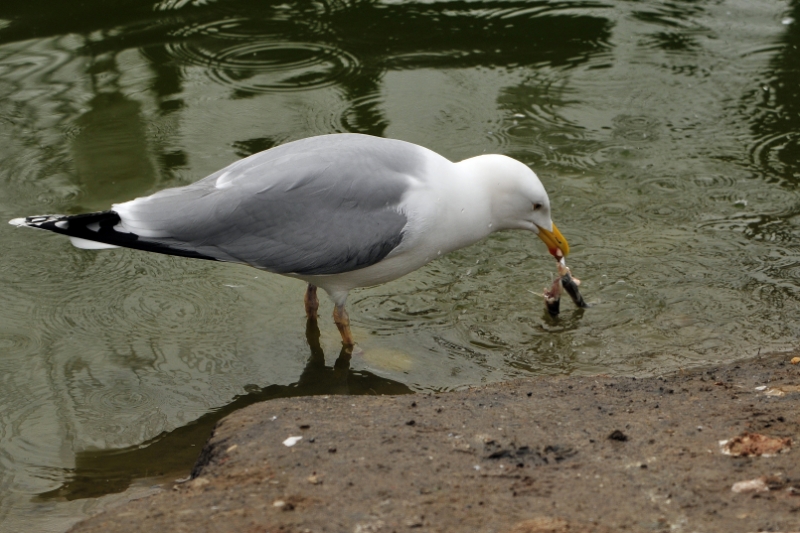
(337, 211)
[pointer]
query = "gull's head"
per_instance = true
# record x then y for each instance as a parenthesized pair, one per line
(519, 200)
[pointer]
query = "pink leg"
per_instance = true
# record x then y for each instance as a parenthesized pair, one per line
(312, 302)
(343, 323)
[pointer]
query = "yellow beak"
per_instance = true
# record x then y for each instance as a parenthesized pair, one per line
(555, 242)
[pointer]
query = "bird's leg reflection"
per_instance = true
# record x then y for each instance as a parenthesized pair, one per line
(100, 472)
(315, 372)
(341, 367)
(312, 337)
(312, 302)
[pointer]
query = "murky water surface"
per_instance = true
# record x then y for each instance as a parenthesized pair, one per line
(667, 133)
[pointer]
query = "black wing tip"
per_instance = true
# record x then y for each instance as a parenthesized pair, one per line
(35, 221)
(49, 221)
(72, 225)
(100, 227)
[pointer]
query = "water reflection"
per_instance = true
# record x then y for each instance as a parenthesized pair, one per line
(677, 15)
(111, 152)
(172, 453)
(775, 106)
(109, 142)
(256, 47)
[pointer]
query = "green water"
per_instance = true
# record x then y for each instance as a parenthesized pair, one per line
(667, 134)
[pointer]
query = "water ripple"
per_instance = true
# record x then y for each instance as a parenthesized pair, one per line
(123, 294)
(235, 28)
(766, 49)
(13, 342)
(672, 15)
(775, 154)
(265, 66)
(636, 128)
(361, 114)
(119, 396)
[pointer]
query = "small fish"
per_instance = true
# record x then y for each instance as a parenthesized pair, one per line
(552, 298)
(570, 284)
(565, 281)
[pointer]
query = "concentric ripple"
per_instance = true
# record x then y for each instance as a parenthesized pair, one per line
(777, 154)
(120, 396)
(232, 28)
(362, 114)
(264, 66)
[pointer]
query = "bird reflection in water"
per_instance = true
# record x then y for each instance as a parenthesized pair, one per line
(170, 456)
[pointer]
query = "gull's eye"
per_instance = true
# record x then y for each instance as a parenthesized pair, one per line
(536, 207)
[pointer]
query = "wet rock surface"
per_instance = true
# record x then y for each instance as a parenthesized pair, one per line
(551, 454)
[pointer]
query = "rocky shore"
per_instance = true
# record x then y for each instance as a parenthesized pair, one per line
(577, 454)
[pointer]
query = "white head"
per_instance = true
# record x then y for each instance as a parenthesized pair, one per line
(518, 199)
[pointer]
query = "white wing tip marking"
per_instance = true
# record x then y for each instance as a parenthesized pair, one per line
(17, 222)
(85, 244)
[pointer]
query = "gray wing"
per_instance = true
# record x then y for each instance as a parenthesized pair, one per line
(322, 205)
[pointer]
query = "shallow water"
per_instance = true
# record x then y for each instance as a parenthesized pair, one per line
(667, 134)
